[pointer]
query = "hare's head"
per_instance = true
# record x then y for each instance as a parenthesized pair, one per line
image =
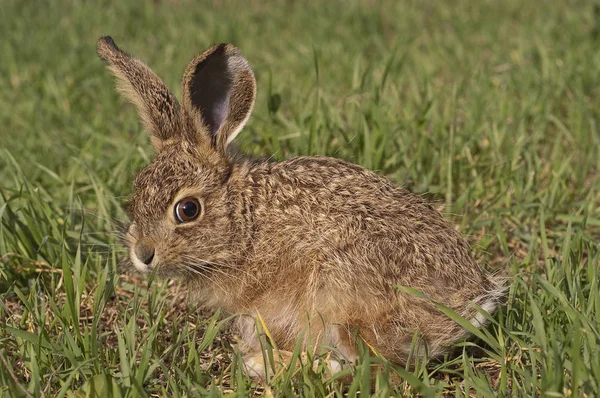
(178, 207)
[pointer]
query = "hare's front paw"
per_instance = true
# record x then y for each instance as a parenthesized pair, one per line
(255, 362)
(255, 365)
(333, 365)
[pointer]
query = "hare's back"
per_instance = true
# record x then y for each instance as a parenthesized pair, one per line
(347, 209)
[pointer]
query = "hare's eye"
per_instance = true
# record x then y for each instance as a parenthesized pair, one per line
(187, 209)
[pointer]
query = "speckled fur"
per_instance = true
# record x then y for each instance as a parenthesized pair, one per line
(316, 245)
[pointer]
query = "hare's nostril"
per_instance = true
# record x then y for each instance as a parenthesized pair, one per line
(144, 253)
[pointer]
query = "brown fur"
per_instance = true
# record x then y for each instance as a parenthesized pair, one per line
(317, 246)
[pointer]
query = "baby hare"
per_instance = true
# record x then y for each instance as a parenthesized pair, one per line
(315, 246)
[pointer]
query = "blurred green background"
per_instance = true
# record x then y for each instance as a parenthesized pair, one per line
(490, 108)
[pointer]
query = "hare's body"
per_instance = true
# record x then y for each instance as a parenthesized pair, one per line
(319, 247)
(345, 239)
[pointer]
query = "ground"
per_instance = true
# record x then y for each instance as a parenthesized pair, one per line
(491, 109)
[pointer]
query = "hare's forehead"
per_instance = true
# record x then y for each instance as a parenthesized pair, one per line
(156, 186)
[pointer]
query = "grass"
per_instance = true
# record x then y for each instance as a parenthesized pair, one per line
(489, 108)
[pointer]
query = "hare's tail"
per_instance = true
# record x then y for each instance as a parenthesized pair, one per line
(491, 298)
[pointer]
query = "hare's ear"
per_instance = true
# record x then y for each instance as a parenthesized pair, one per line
(218, 91)
(157, 107)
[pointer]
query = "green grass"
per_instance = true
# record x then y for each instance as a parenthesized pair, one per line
(490, 108)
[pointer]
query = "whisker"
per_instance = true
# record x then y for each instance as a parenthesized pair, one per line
(207, 275)
(203, 266)
(218, 267)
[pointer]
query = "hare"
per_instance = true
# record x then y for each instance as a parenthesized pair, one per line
(315, 247)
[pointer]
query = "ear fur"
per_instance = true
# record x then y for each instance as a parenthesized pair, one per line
(219, 90)
(157, 107)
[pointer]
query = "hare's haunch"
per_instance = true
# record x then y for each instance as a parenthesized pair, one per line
(319, 247)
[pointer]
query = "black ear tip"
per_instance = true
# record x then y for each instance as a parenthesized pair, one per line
(107, 41)
(106, 47)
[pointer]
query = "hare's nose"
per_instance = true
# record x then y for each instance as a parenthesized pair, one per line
(144, 253)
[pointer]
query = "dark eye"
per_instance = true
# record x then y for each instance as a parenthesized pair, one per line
(187, 209)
